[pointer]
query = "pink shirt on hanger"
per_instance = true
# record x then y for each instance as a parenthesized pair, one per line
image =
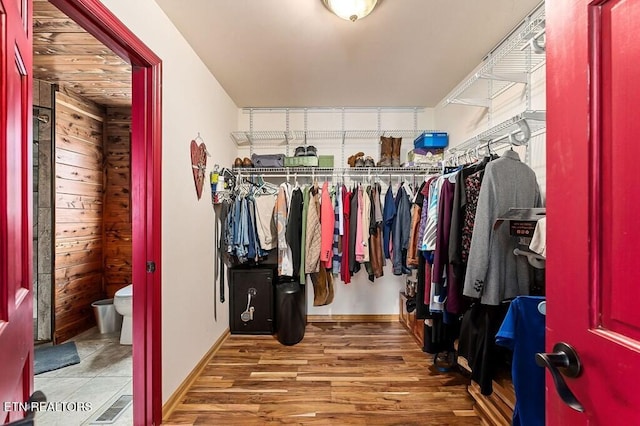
(358, 236)
(327, 223)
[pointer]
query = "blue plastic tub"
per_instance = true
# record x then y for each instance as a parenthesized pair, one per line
(432, 140)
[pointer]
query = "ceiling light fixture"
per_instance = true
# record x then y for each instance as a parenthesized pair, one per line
(351, 10)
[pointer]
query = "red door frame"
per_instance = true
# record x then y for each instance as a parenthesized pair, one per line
(146, 169)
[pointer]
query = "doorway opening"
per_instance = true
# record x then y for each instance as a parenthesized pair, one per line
(144, 181)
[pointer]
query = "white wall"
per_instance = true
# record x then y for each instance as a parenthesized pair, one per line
(360, 296)
(193, 102)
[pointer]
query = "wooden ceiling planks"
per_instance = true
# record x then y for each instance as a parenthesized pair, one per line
(65, 54)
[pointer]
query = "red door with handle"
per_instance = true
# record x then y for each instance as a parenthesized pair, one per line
(16, 301)
(593, 266)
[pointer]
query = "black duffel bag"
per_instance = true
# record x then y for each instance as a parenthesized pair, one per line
(268, 160)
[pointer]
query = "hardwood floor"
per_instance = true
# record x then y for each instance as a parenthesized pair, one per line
(340, 374)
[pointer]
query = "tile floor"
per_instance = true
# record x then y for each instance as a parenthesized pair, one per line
(104, 373)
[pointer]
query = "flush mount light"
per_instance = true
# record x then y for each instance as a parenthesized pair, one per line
(351, 10)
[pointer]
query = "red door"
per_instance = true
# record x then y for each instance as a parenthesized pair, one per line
(16, 304)
(593, 157)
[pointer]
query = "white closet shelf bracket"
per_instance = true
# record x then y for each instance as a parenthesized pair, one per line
(480, 102)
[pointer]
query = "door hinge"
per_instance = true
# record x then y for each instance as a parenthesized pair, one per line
(151, 266)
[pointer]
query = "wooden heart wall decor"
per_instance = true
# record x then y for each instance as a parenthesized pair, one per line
(198, 165)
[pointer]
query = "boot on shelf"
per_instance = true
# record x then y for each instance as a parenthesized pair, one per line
(395, 152)
(385, 151)
(354, 158)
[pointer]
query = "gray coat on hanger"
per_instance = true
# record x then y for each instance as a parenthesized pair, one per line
(494, 273)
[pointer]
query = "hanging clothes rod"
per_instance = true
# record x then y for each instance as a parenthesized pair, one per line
(353, 171)
(515, 131)
(356, 173)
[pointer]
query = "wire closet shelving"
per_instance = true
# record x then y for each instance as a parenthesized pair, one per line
(510, 63)
(517, 130)
(336, 172)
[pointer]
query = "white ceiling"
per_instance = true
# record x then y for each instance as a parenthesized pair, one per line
(294, 53)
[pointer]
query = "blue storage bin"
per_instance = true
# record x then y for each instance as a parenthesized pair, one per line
(432, 140)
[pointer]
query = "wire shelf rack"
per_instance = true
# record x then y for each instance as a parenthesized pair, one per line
(508, 64)
(517, 130)
(282, 138)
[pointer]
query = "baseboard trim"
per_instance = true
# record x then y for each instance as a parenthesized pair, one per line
(354, 318)
(172, 403)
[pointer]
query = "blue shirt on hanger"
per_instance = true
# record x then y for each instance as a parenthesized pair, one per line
(388, 216)
(523, 331)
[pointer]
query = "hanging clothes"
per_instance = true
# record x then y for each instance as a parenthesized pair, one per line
(539, 240)
(366, 223)
(367, 210)
(223, 245)
(266, 226)
(285, 261)
(416, 215)
(360, 245)
(337, 244)
(493, 272)
(340, 202)
(345, 275)
(253, 249)
(312, 249)
(431, 227)
(523, 332)
(389, 215)
(354, 266)
(327, 224)
(303, 235)
(443, 278)
(294, 229)
(375, 234)
(240, 230)
(480, 323)
(473, 183)
(461, 206)
(401, 228)
(424, 213)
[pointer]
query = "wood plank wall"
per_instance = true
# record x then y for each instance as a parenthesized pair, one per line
(117, 200)
(79, 187)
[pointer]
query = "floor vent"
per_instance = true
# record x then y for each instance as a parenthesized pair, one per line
(112, 413)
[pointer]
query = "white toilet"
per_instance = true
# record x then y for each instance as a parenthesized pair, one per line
(123, 302)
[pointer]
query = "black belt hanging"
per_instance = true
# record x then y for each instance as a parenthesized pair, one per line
(224, 211)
